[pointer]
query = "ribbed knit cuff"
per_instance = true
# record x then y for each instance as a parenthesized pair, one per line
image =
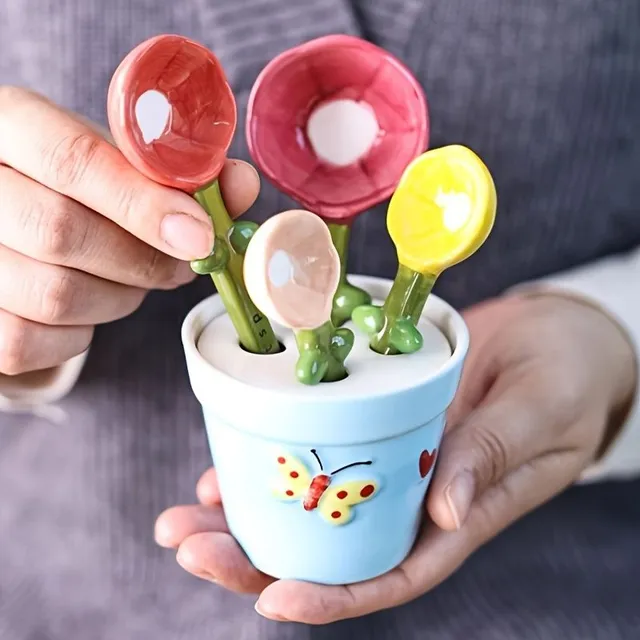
(612, 285)
(35, 392)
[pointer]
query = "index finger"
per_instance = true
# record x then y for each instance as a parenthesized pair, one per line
(45, 143)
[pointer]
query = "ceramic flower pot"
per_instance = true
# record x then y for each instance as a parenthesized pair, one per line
(325, 483)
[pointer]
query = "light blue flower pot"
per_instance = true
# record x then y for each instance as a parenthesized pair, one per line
(269, 436)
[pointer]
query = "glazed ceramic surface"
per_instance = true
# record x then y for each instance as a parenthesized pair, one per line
(292, 269)
(379, 117)
(172, 112)
(326, 483)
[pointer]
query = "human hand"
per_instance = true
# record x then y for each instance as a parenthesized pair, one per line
(84, 235)
(546, 380)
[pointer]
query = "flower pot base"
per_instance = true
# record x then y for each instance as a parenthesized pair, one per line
(324, 484)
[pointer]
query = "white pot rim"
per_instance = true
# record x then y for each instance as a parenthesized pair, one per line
(409, 407)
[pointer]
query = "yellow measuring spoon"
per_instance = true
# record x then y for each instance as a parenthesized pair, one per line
(441, 213)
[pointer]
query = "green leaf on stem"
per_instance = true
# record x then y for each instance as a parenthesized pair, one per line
(240, 235)
(215, 262)
(341, 344)
(312, 366)
(323, 351)
(405, 337)
(368, 318)
(347, 298)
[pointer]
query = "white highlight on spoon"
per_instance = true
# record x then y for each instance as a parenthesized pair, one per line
(280, 268)
(153, 112)
(342, 131)
(456, 208)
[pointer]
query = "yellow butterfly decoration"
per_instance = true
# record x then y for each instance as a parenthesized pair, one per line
(334, 502)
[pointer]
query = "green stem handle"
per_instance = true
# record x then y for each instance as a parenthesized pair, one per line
(340, 235)
(348, 297)
(408, 294)
(402, 310)
(253, 328)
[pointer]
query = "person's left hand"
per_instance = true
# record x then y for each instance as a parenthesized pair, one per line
(547, 381)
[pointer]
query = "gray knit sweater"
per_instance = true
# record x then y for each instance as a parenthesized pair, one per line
(548, 93)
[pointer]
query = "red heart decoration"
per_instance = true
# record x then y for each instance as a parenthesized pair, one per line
(427, 460)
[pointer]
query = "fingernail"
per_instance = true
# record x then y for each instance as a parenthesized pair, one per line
(459, 495)
(192, 238)
(265, 613)
(205, 575)
(196, 571)
(162, 536)
(242, 163)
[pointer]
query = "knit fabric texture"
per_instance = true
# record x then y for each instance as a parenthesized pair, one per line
(548, 94)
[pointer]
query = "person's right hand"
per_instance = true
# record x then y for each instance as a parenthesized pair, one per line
(83, 235)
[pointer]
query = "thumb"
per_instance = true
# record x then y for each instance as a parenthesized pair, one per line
(506, 430)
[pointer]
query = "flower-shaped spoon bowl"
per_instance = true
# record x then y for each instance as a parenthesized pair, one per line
(333, 123)
(441, 213)
(172, 113)
(365, 85)
(292, 271)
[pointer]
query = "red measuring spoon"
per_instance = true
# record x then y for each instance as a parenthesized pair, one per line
(189, 151)
(375, 90)
(173, 116)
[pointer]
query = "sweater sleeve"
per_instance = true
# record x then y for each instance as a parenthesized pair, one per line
(613, 284)
(36, 391)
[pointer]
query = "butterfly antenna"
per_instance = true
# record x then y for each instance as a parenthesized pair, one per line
(315, 453)
(353, 464)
